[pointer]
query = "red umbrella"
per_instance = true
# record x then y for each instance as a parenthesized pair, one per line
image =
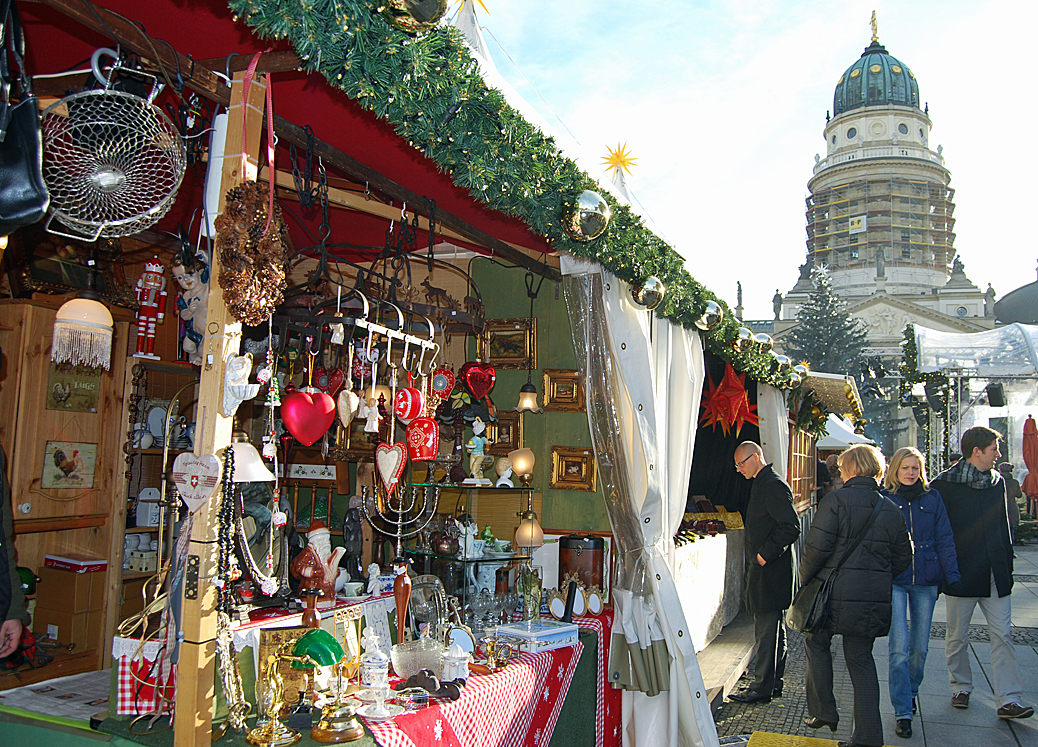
(1030, 486)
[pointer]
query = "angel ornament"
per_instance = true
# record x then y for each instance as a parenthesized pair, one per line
(368, 409)
(236, 386)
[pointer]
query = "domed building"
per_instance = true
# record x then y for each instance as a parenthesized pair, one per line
(880, 213)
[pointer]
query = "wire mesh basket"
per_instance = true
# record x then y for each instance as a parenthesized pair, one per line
(113, 163)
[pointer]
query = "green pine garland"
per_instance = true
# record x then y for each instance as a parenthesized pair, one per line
(429, 88)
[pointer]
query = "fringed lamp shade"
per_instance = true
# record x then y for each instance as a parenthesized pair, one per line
(83, 332)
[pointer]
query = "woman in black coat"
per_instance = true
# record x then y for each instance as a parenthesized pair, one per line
(859, 608)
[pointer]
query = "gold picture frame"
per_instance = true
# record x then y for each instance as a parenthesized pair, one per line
(573, 468)
(509, 343)
(507, 432)
(563, 390)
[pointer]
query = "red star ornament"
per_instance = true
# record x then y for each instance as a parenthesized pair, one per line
(727, 403)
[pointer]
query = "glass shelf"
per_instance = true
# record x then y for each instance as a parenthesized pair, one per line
(493, 558)
(488, 488)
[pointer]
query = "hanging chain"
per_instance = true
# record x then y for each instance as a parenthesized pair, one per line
(308, 193)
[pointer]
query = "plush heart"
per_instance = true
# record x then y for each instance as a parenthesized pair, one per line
(349, 402)
(390, 461)
(307, 414)
(478, 377)
(336, 381)
(443, 381)
(196, 478)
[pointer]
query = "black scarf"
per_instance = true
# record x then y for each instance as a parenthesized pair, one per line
(911, 492)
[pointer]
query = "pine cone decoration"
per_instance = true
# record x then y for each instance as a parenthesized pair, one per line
(252, 266)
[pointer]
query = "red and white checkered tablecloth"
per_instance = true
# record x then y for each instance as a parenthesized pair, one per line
(515, 707)
(608, 699)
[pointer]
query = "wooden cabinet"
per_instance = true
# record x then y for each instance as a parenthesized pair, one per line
(49, 517)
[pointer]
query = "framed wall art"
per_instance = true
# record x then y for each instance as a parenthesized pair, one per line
(573, 468)
(563, 390)
(506, 433)
(68, 465)
(509, 343)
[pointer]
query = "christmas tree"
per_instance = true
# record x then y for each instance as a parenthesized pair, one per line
(826, 336)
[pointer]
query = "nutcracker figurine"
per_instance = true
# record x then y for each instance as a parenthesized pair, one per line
(151, 295)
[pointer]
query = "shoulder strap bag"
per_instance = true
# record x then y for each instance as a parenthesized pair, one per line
(810, 609)
(23, 193)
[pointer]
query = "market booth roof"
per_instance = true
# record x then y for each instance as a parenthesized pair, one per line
(840, 435)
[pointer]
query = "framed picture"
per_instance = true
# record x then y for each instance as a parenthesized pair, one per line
(507, 432)
(359, 445)
(573, 468)
(509, 343)
(68, 465)
(47, 263)
(563, 390)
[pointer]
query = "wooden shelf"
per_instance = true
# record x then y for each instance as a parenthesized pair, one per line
(137, 575)
(64, 664)
(176, 368)
(59, 523)
(140, 530)
(158, 451)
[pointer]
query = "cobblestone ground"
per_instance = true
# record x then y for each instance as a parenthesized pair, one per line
(785, 715)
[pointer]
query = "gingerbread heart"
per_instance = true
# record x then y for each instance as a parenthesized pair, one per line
(307, 414)
(336, 381)
(478, 377)
(390, 461)
(196, 478)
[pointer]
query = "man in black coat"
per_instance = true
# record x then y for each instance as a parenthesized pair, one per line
(974, 494)
(771, 528)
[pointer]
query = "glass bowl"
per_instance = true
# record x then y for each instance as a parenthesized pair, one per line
(411, 657)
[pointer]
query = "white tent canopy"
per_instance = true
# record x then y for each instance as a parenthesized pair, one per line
(1005, 351)
(840, 435)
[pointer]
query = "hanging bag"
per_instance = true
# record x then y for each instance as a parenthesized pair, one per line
(23, 193)
(810, 609)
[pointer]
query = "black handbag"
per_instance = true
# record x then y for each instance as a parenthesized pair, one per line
(810, 609)
(23, 193)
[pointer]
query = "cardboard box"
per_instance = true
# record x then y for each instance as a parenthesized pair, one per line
(132, 600)
(75, 563)
(72, 592)
(81, 628)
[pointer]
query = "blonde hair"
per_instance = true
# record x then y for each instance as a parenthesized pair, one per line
(831, 464)
(862, 460)
(890, 480)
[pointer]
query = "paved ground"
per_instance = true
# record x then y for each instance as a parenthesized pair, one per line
(937, 724)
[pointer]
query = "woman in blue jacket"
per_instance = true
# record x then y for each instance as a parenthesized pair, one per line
(915, 590)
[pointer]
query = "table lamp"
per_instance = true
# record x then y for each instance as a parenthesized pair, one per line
(522, 465)
(248, 466)
(338, 720)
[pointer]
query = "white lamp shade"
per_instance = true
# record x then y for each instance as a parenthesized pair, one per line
(83, 334)
(248, 466)
(527, 401)
(529, 532)
(522, 462)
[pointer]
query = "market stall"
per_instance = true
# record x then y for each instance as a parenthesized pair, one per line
(354, 239)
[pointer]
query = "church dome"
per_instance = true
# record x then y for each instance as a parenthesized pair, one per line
(875, 79)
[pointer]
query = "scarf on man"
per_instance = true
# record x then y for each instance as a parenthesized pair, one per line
(964, 473)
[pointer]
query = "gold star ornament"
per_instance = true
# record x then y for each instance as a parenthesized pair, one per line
(619, 159)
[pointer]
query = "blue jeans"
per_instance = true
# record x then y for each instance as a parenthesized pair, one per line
(907, 648)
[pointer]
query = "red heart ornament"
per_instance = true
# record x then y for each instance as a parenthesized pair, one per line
(390, 462)
(307, 414)
(336, 382)
(443, 381)
(478, 377)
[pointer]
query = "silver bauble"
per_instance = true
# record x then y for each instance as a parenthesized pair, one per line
(801, 369)
(589, 218)
(764, 341)
(794, 378)
(711, 317)
(744, 341)
(649, 294)
(783, 363)
(414, 15)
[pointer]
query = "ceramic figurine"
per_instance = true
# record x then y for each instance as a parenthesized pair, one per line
(373, 571)
(476, 447)
(504, 473)
(368, 410)
(151, 295)
(317, 565)
(192, 304)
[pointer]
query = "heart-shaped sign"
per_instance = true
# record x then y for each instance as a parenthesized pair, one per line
(390, 461)
(336, 381)
(478, 377)
(307, 414)
(443, 381)
(196, 478)
(349, 402)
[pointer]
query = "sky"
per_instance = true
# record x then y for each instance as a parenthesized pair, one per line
(724, 103)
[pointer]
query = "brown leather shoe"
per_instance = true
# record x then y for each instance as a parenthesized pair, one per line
(1015, 710)
(961, 700)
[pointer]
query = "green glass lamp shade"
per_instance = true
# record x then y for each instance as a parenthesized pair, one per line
(319, 645)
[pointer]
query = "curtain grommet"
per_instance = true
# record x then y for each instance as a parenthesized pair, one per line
(639, 408)
(651, 467)
(681, 634)
(623, 346)
(646, 519)
(659, 577)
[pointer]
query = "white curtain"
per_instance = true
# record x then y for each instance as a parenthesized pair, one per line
(644, 378)
(774, 428)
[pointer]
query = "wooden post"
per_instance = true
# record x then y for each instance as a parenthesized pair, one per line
(196, 670)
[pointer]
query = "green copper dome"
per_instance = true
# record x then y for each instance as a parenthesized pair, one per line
(875, 79)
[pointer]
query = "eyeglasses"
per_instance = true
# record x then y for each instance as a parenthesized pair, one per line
(739, 464)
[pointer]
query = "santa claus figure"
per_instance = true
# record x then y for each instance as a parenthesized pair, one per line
(151, 295)
(317, 565)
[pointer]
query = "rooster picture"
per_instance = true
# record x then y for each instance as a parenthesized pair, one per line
(68, 467)
(61, 392)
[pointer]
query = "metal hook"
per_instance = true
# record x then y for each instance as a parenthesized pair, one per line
(309, 346)
(403, 213)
